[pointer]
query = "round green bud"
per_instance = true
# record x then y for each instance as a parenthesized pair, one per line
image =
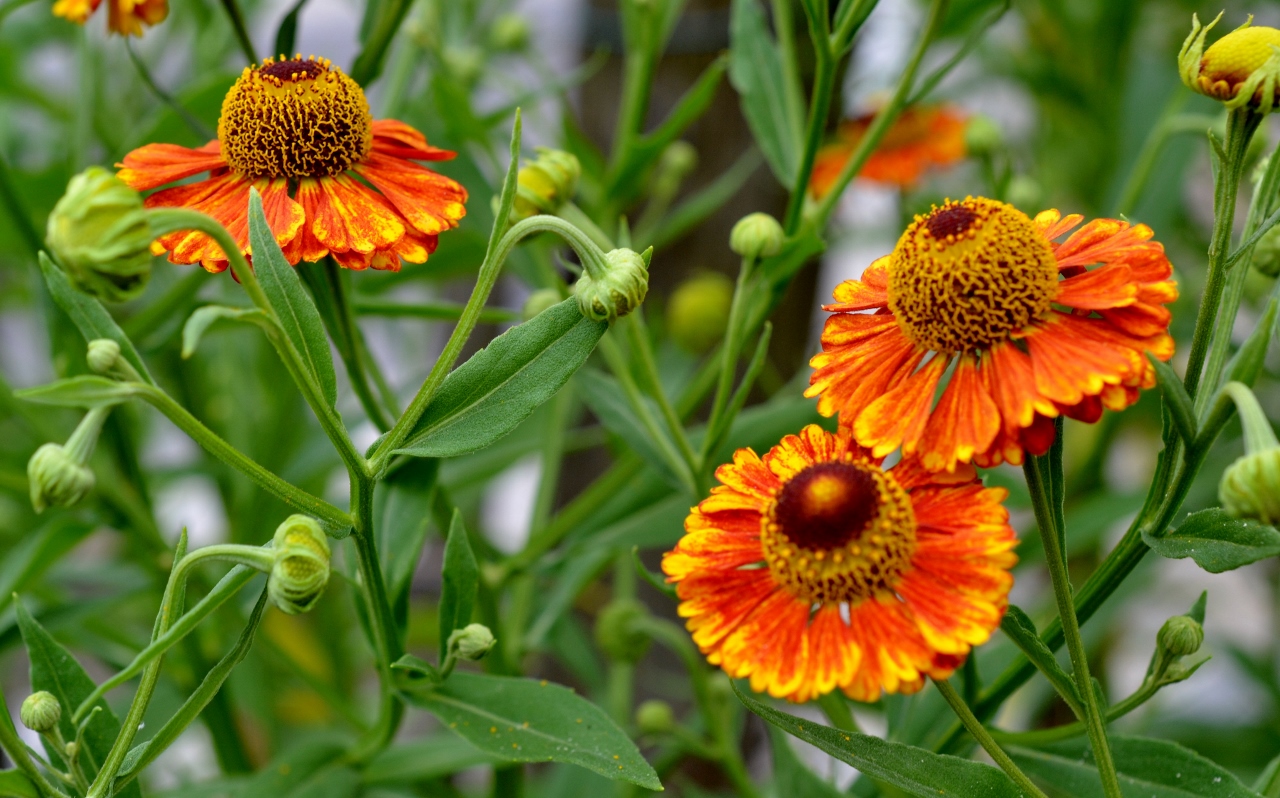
(1180, 636)
(40, 712)
(301, 569)
(618, 292)
(983, 136)
(679, 157)
(56, 479)
(698, 311)
(546, 184)
(617, 631)
(100, 235)
(103, 355)
(463, 62)
(472, 642)
(1024, 192)
(655, 717)
(756, 235)
(538, 301)
(1250, 487)
(1266, 253)
(510, 33)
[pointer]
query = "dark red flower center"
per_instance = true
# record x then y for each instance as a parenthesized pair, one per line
(293, 69)
(827, 505)
(952, 220)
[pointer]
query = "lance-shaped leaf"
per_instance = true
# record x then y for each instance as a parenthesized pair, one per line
(84, 391)
(203, 318)
(755, 70)
(1022, 631)
(15, 784)
(460, 577)
(1176, 399)
(1217, 541)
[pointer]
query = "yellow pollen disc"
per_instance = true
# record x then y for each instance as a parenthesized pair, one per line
(294, 118)
(968, 274)
(839, 532)
(1232, 59)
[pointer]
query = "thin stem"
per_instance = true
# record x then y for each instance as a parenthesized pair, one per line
(984, 739)
(638, 335)
(199, 128)
(729, 354)
(636, 82)
(1056, 559)
(1068, 730)
(351, 348)
(1145, 163)
(369, 63)
(819, 108)
(242, 32)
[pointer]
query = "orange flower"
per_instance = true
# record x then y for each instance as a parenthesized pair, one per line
(813, 568)
(125, 17)
(921, 137)
(1032, 330)
(300, 132)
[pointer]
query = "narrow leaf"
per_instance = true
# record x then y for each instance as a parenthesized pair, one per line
(755, 70)
(1217, 541)
(290, 300)
(1197, 610)
(15, 784)
(502, 384)
(203, 318)
(523, 720)
(913, 770)
(37, 552)
(791, 777)
(89, 316)
(1246, 364)
(1268, 783)
(608, 402)
(438, 756)
(1176, 399)
(287, 33)
(85, 391)
(1022, 631)
(461, 578)
(403, 516)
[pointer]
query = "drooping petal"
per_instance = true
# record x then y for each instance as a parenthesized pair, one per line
(395, 138)
(350, 217)
(965, 421)
(430, 202)
(898, 417)
(154, 165)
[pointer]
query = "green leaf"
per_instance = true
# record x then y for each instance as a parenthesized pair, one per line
(15, 784)
(288, 30)
(403, 518)
(55, 670)
(755, 70)
(1246, 364)
(89, 316)
(85, 391)
(204, 317)
(1268, 783)
(1022, 631)
(914, 770)
(523, 720)
(460, 577)
(791, 777)
(608, 401)
(1147, 768)
(416, 667)
(1217, 541)
(299, 767)
(36, 552)
(1197, 610)
(502, 384)
(290, 300)
(431, 758)
(1176, 399)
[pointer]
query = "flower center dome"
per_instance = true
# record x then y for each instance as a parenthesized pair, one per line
(839, 531)
(968, 274)
(1232, 59)
(294, 118)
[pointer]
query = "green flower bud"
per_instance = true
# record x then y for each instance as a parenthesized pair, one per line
(538, 301)
(546, 184)
(1266, 253)
(617, 633)
(510, 33)
(1025, 192)
(982, 136)
(301, 569)
(618, 291)
(756, 235)
(1250, 487)
(56, 478)
(464, 63)
(40, 712)
(677, 161)
(698, 311)
(103, 355)
(100, 235)
(472, 642)
(655, 717)
(1180, 636)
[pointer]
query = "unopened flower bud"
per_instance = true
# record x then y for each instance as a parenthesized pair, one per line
(472, 642)
(103, 355)
(1024, 191)
(982, 135)
(1266, 253)
(655, 717)
(1180, 636)
(1250, 487)
(677, 161)
(301, 569)
(510, 32)
(56, 478)
(756, 235)
(40, 712)
(464, 63)
(617, 633)
(618, 291)
(698, 311)
(1241, 67)
(538, 301)
(546, 184)
(100, 235)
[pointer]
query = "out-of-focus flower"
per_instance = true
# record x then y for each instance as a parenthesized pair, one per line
(301, 569)
(698, 311)
(756, 235)
(814, 569)
(1034, 333)
(510, 33)
(546, 184)
(1241, 68)
(99, 233)
(618, 291)
(300, 132)
(922, 137)
(125, 17)
(1250, 487)
(655, 717)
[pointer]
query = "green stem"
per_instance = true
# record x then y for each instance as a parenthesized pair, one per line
(1056, 559)
(199, 128)
(819, 108)
(638, 335)
(574, 215)
(836, 708)
(346, 333)
(369, 63)
(236, 18)
(553, 449)
(1147, 156)
(81, 443)
(729, 352)
(637, 82)
(984, 739)
(18, 211)
(434, 311)
(1066, 731)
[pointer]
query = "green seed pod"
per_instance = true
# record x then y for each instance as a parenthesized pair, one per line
(655, 717)
(40, 712)
(698, 311)
(100, 235)
(472, 642)
(546, 184)
(538, 301)
(1181, 636)
(619, 291)
(982, 136)
(301, 569)
(756, 235)
(617, 633)
(1250, 487)
(56, 478)
(1266, 253)
(510, 33)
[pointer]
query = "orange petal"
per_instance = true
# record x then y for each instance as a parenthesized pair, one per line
(430, 202)
(349, 216)
(1011, 383)
(154, 165)
(1071, 360)
(871, 291)
(863, 355)
(395, 138)
(225, 198)
(1052, 224)
(285, 217)
(898, 417)
(965, 421)
(1105, 287)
